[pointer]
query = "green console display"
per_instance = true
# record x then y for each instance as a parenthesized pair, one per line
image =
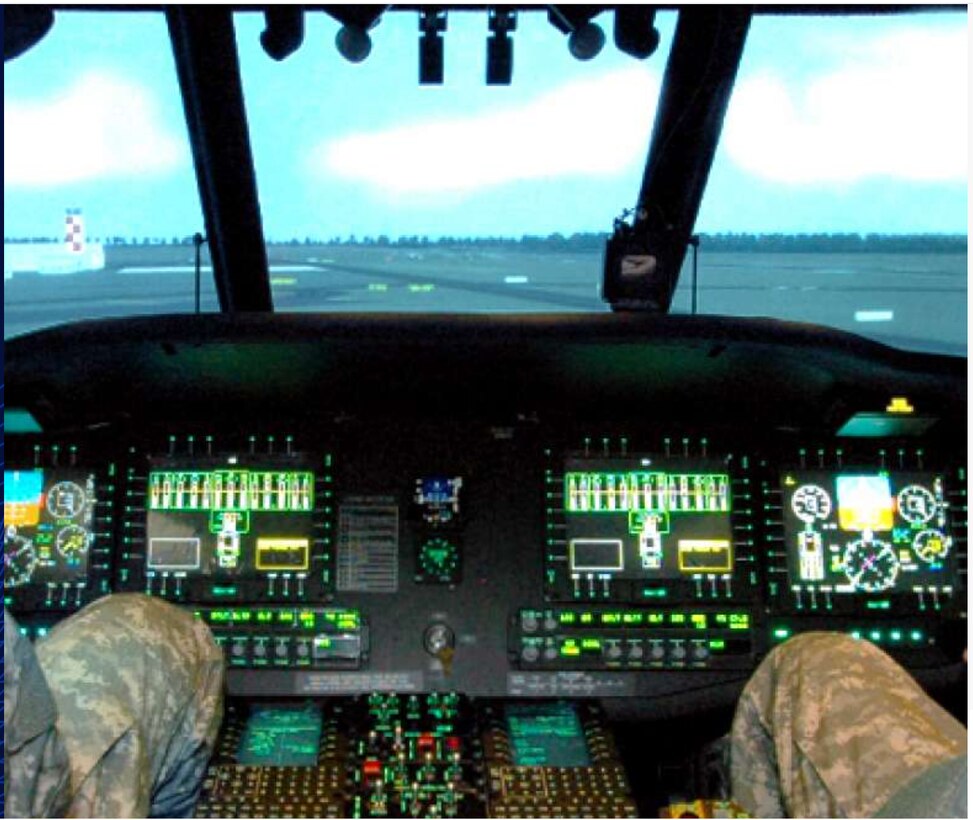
(281, 736)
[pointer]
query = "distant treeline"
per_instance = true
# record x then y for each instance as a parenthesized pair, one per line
(586, 242)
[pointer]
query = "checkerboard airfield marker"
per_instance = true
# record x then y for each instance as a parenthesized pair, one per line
(74, 231)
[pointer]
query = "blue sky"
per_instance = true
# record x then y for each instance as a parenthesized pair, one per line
(838, 124)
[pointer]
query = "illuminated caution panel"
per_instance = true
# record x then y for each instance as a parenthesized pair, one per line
(630, 521)
(231, 522)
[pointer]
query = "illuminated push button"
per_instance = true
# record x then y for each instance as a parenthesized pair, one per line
(530, 653)
(372, 770)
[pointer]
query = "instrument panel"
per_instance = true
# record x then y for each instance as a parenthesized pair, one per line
(495, 561)
(465, 566)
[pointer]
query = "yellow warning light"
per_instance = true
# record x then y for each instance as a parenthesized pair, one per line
(900, 404)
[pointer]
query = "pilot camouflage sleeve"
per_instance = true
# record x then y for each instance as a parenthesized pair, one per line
(138, 685)
(830, 726)
(35, 764)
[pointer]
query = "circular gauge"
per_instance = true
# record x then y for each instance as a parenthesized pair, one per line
(65, 500)
(19, 559)
(438, 560)
(871, 566)
(72, 542)
(811, 502)
(931, 545)
(916, 504)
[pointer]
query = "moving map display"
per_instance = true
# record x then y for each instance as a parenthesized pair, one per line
(229, 521)
(866, 532)
(48, 517)
(627, 519)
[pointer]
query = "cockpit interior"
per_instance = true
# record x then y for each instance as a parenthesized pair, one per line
(470, 563)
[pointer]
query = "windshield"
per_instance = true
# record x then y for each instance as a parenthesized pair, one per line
(99, 197)
(838, 194)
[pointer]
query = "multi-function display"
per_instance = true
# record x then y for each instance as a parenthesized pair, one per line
(48, 517)
(627, 519)
(866, 532)
(231, 521)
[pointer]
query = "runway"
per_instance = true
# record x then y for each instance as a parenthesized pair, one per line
(917, 301)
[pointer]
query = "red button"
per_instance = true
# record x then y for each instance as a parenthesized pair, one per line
(372, 769)
(453, 743)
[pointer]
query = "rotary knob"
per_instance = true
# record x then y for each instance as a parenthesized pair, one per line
(528, 622)
(530, 653)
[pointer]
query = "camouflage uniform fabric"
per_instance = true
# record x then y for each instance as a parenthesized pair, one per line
(830, 726)
(35, 764)
(138, 685)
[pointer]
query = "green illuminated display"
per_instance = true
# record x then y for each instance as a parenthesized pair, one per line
(546, 735)
(648, 492)
(627, 519)
(311, 620)
(230, 521)
(622, 619)
(237, 491)
(279, 736)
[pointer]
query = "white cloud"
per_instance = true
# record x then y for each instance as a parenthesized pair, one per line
(588, 128)
(897, 108)
(102, 126)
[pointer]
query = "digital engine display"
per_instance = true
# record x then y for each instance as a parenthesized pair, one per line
(48, 519)
(627, 519)
(229, 521)
(866, 532)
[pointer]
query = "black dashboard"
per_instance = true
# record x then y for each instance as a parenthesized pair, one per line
(620, 510)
